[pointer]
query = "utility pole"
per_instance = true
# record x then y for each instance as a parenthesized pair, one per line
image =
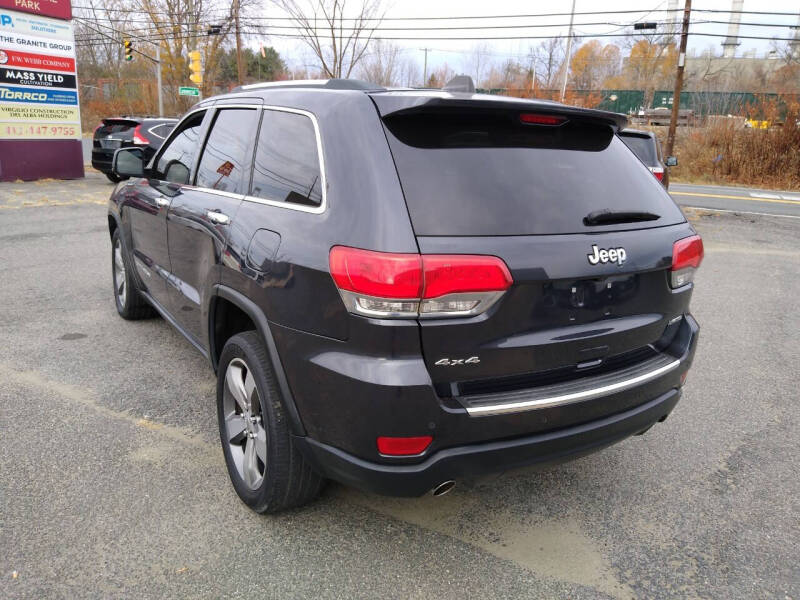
(238, 42)
(569, 52)
(676, 95)
(425, 68)
(158, 79)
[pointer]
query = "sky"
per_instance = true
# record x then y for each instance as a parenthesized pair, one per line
(457, 54)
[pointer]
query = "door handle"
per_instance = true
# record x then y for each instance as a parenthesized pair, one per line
(215, 216)
(162, 202)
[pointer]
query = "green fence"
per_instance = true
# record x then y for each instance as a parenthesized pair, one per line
(702, 103)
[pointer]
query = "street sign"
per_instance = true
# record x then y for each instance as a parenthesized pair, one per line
(189, 91)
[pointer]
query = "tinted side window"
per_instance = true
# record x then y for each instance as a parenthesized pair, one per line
(228, 151)
(287, 167)
(161, 131)
(643, 147)
(175, 162)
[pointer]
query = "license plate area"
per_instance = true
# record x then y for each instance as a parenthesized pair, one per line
(110, 144)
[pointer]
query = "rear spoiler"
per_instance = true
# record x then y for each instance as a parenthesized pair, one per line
(397, 103)
(121, 121)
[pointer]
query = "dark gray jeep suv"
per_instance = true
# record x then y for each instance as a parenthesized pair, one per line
(401, 288)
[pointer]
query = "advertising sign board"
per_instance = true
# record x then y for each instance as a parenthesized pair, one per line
(37, 78)
(38, 83)
(59, 9)
(40, 125)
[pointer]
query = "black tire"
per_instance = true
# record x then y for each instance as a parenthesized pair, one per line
(114, 178)
(286, 479)
(130, 303)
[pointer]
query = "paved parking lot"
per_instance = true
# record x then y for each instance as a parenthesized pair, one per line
(112, 481)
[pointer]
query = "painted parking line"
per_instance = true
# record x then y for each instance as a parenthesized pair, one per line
(745, 198)
(742, 212)
(781, 196)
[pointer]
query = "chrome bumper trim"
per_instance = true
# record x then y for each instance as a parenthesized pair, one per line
(561, 399)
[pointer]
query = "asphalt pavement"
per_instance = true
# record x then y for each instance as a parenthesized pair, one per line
(113, 484)
(737, 199)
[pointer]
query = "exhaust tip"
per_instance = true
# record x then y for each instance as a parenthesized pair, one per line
(443, 488)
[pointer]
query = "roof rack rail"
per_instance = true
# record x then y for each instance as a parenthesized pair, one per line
(331, 84)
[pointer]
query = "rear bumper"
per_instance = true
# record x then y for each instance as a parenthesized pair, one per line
(475, 459)
(346, 400)
(101, 160)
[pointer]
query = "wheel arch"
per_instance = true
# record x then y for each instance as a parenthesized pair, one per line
(259, 320)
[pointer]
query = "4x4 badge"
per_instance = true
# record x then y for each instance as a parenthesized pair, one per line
(617, 255)
(452, 362)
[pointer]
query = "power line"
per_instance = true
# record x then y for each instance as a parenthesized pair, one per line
(465, 27)
(480, 38)
(516, 16)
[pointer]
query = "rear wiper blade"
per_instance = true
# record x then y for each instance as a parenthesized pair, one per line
(612, 217)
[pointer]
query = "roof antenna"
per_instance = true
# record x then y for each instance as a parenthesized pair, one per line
(460, 83)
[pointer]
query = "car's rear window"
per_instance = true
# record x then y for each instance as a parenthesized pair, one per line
(486, 173)
(114, 127)
(643, 147)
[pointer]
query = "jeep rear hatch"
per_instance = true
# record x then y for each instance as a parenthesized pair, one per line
(586, 231)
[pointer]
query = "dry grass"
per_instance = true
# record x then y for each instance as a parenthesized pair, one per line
(726, 153)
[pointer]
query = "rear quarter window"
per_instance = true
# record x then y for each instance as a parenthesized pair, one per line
(287, 165)
(484, 173)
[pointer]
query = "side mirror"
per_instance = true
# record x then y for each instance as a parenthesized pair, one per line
(672, 161)
(128, 162)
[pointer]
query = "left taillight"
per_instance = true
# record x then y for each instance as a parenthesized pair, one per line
(387, 285)
(687, 254)
(138, 138)
(658, 172)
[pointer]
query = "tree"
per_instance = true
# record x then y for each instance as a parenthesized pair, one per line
(592, 64)
(264, 65)
(548, 57)
(169, 21)
(337, 37)
(585, 65)
(382, 64)
(649, 66)
(510, 75)
(477, 61)
(439, 77)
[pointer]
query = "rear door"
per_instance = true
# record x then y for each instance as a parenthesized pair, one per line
(507, 182)
(200, 217)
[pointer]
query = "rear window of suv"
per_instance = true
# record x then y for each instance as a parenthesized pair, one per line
(487, 173)
(642, 146)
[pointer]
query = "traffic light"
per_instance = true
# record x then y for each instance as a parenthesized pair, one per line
(196, 67)
(128, 49)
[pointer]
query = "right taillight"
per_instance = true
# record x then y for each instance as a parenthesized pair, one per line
(687, 254)
(388, 285)
(138, 137)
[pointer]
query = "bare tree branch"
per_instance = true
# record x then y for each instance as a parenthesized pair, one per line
(324, 26)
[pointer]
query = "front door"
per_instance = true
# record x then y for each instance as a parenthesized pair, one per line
(150, 202)
(199, 219)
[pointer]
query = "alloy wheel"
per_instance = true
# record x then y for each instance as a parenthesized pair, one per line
(244, 428)
(119, 273)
